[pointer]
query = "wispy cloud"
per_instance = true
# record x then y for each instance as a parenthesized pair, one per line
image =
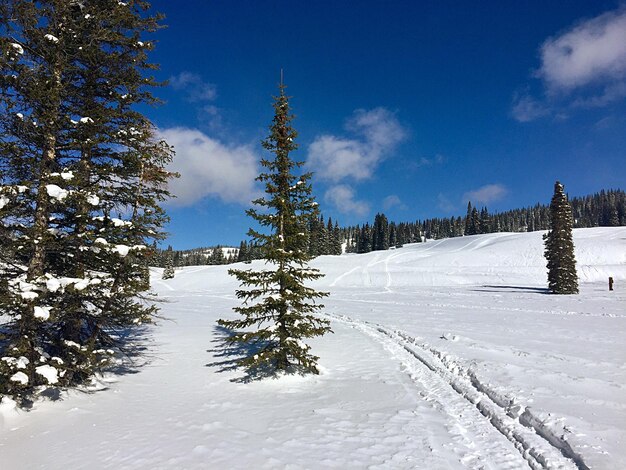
(376, 134)
(344, 199)
(210, 168)
(392, 201)
(485, 194)
(194, 87)
(201, 94)
(583, 67)
(426, 162)
(526, 108)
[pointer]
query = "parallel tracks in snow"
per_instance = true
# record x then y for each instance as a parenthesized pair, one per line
(445, 381)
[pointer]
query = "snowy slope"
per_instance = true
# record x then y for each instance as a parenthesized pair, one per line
(498, 258)
(446, 354)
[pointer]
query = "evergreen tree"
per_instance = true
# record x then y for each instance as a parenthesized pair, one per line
(393, 234)
(242, 254)
(73, 150)
(559, 246)
(365, 239)
(217, 256)
(353, 240)
(315, 236)
(380, 233)
(168, 270)
(337, 248)
(468, 219)
(484, 222)
(283, 314)
(474, 222)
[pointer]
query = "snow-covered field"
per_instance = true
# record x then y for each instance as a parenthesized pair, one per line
(446, 354)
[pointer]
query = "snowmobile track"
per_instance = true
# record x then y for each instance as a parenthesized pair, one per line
(538, 445)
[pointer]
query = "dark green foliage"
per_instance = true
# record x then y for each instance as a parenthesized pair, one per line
(201, 256)
(380, 233)
(335, 240)
(217, 256)
(366, 241)
(472, 221)
(323, 238)
(468, 220)
(74, 155)
(317, 235)
(562, 277)
(243, 253)
(168, 271)
(484, 222)
(278, 309)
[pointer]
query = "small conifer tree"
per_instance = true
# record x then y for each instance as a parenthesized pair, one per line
(468, 220)
(168, 270)
(242, 254)
(277, 304)
(559, 246)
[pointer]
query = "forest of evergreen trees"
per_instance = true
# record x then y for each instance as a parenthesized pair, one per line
(603, 209)
(195, 256)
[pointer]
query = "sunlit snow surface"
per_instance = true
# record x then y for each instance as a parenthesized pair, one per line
(447, 354)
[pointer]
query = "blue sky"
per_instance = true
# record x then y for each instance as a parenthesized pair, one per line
(409, 108)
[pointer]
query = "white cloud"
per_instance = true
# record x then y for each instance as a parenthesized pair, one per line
(343, 198)
(334, 159)
(583, 67)
(392, 201)
(337, 158)
(526, 108)
(379, 126)
(194, 87)
(209, 167)
(590, 52)
(438, 159)
(485, 194)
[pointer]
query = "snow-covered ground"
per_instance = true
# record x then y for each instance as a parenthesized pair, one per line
(446, 354)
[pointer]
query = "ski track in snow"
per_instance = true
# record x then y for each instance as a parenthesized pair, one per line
(536, 444)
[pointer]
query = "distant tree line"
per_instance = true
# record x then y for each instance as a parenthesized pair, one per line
(603, 209)
(194, 257)
(323, 238)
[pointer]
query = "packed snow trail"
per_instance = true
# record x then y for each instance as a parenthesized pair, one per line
(510, 419)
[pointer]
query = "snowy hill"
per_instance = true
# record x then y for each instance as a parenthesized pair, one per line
(446, 354)
(496, 258)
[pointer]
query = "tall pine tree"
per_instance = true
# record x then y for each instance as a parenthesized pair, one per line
(559, 246)
(278, 308)
(82, 176)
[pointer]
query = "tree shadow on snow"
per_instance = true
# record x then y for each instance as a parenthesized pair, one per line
(135, 346)
(230, 353)
(530, 290)
(133, 349)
